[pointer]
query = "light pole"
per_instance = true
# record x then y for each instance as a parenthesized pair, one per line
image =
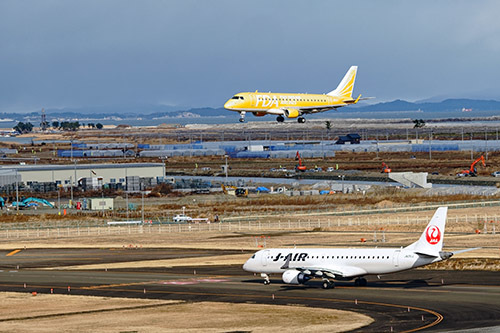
(17, 192)
(430, 145)
(342, 177)
(226, 168)
(59, 200)
(71, 185)
(142, 206)
(126, 192)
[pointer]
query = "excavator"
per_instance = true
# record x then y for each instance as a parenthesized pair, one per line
(236, 191)
(299, 167)
(472, 171)
(385, 168)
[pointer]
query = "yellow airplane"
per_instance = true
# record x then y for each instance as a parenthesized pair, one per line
(294, 105)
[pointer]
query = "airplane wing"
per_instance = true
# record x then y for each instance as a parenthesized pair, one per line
(333, 272)
(316, 109)
(338, 273)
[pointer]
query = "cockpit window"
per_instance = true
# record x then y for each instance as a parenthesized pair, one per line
(237, 97)
(253, 257)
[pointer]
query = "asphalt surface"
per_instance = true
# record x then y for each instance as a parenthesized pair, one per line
(408, 301)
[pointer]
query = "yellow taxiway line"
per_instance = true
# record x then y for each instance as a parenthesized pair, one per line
(12, 253)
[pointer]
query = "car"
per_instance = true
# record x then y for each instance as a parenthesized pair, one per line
(182, 218)
(330, 169)
(496, 174)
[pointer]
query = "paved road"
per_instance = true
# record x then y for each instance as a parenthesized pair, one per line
(407, 301)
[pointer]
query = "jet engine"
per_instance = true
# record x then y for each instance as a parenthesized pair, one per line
(293, 276)
(292, 113)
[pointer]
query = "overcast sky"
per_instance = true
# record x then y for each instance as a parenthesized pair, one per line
(199, 53)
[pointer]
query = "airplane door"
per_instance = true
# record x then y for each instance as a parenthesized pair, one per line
(395, 258)
(252, 100)
(263, 259)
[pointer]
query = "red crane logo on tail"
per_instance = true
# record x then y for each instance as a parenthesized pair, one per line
(433, 235)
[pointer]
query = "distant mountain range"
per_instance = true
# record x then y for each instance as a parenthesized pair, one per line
(446, 105)
(167, 112)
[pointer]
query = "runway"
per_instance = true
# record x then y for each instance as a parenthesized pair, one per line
(408, 301)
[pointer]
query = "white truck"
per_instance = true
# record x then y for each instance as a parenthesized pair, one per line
(182, 218)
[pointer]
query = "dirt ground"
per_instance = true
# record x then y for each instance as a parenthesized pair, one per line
(22, 312)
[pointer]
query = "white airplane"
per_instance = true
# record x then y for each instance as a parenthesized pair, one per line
(298, 266)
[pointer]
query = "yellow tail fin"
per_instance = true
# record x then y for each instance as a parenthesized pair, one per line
(346, 86)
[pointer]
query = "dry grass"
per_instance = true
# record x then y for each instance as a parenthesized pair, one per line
(88, 314)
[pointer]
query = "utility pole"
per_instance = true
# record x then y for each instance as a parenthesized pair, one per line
(126, 191)
(142, 205)
(71, 185)
(226, 168)
(430, 145)
(17, 193)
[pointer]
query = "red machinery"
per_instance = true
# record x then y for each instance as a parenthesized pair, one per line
(472, 171)
(385, 168)
(299, 167)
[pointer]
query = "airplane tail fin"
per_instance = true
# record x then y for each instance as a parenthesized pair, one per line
(346, 86)
(431, 240)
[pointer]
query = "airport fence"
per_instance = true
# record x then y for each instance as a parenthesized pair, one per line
(482, 223)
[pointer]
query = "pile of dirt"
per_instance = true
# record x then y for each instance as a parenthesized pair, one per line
(384, 204)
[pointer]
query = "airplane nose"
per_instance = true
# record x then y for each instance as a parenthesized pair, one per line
(246, 266)
(229, 105)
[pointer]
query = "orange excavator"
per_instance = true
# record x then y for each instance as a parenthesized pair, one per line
(385, 168)
(472, 171)
(299, 167)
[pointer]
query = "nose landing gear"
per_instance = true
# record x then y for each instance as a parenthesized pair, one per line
(242, 116)
(266, 278)
(280, 119)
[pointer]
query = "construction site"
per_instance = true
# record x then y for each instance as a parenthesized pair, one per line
(153, 172)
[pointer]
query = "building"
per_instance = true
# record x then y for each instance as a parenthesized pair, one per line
(71, 173)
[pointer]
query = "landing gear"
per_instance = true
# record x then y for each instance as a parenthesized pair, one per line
(242, 116)
(266, 278)
(280, 119)
(327, 284)
(301, 120)
(360, 282)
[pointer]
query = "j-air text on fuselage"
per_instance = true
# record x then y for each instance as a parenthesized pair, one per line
(298, 266)
(294, 105)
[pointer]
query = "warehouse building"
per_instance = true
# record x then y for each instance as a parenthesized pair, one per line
(66, 174)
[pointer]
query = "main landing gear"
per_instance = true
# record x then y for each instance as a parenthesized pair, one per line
(360, 282)
(327, 284)
(281, 119)
(242, 116)
(266, 278)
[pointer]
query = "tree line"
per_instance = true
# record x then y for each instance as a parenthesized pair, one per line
(22, 127)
